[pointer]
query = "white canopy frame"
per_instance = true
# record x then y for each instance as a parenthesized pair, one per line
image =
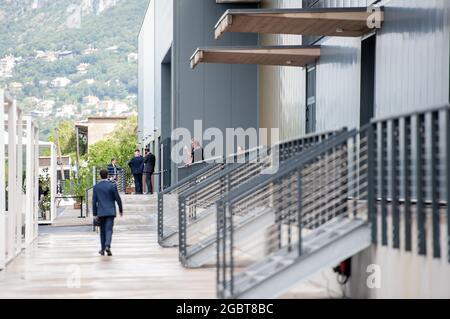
(52, 173)
(18, 219)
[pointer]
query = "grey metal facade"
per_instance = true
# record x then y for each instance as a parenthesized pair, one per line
(222, 96)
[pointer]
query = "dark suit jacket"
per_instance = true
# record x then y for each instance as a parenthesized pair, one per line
(137, 165)
(149, 163)
(113, 170)
(104, 199)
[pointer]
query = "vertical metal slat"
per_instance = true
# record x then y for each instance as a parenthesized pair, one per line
(394, 183)
(372, 182)
(435, 187)
(421, 215)
(383, 177)
(407, 182)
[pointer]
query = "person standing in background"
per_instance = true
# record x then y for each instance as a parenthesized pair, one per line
(113, 170)
(137, 169)
(149, 169)
(104, 201)
(197, 152)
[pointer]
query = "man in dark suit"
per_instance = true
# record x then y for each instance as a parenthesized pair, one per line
(104, 209)
(149, 169)
(137, 168)
(114, 169)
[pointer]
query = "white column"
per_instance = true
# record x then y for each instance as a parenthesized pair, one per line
(19, 194)
(30, 163)
(12, 181)
(53, 182)
(2, 183)
(36, 183)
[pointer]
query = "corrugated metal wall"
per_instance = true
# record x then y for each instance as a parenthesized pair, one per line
(282, 89)
(412, 68)
(413, 56)
(146, 73)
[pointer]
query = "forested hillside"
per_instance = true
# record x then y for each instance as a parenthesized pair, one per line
(69, 59)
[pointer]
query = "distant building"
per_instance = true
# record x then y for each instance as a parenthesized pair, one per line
(7, 65)
(60, 83)
(91, 100)
(46, 105)
(88, 81)
(68, 111)
(120, 108)
(89, 51)
(82, 68)
(98, 128)
(47, 56)
(15, 86)
(64, 54)
(132, 57)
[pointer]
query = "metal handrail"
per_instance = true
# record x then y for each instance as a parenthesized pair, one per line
(365, 174)
(204, 195)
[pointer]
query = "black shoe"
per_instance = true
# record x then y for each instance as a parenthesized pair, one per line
(102, 252)
(108, 251)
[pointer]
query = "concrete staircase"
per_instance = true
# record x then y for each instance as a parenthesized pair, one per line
(139, 213)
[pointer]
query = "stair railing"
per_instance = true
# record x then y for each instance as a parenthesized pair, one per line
(197, 220)
(168, 199)
(393, 174)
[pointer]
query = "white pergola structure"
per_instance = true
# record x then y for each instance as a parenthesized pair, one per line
(52, 173)
(19, 147)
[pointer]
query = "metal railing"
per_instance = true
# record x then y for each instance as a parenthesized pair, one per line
(120, 179)
(197, 214)
(88, 200)
(392, 175)
(168, 199)
(187, 170)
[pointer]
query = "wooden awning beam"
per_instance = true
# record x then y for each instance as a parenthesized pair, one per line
(350, 22)
(298, 56)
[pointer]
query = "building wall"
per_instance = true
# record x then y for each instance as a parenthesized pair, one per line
(146, 90)
(412, 73)
(99, 129)
(282, 96)
(223, 96)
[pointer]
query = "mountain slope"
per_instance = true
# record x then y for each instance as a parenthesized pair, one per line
(91, 43)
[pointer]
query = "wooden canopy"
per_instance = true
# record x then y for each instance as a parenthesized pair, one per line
(283, 55)
(351, 22)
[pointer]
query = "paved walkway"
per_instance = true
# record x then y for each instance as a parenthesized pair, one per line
(64, 263)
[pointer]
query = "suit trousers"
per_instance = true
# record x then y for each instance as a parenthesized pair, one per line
(148, 181)
(106, 231)
(138, 183)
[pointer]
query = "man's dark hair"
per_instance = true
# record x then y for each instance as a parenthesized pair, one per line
(104, 174)
(137, 150)
(112, 160)
(147, 150)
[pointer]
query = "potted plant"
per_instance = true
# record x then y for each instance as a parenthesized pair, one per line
(76, 187)
(130, 185)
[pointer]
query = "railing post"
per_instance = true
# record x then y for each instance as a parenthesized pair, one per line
(383, 177)
(372, 182)
(407, 181)
(160, 217)
(447, 168)
(420, 151)
(394, 183)
(299, 208)
(182, 227)
(94, 175)
(435, 187)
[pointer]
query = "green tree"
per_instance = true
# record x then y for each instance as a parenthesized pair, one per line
(120, 145)
(67, 137)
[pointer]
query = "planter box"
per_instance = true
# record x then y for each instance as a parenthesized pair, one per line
(129, 190)
(77, 206)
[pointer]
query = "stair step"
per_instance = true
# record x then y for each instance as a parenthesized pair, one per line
(333, 242)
